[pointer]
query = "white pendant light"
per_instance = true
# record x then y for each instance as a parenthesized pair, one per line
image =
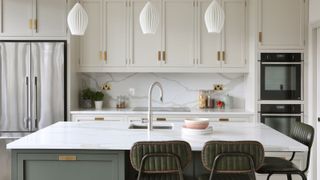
(214, 17)
(149, 19)
(77, 20)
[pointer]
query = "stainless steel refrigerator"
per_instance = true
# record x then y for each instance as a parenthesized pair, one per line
(32, 91)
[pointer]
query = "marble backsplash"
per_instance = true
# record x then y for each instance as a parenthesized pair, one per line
(180, 90)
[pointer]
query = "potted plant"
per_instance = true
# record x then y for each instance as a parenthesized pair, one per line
(86, 98)
(98, 99)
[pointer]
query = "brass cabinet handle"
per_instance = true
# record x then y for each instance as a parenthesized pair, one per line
(35, 24)
(218, 54)
(161, 119)
(105, 57)
(159, 55)
(99, 119)
(260, 37)
(101, 55)
(67, 158)
(224, 119)
(164, 55)
(30, 24)
(224, 56)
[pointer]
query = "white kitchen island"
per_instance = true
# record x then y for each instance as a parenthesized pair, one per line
(76, 149)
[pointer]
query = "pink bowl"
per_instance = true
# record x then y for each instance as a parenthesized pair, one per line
(196, 123)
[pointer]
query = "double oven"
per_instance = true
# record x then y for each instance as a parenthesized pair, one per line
(281, 90)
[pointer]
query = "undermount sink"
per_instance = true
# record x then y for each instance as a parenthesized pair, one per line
(156, 126)
(163, 109)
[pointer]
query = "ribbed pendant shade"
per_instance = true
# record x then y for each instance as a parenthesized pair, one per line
(77, 20)
(214, 17)
(149, 19)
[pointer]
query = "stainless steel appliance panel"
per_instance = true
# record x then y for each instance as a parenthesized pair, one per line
(15, 87)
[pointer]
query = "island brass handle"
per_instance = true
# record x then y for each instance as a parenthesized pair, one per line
(224, 119)
(99, 119)
(218, 55)
(67, 158)
(260, 37)
(159, 55)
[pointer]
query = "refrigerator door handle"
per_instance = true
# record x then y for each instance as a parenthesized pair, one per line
(26, 123)
(36, 99)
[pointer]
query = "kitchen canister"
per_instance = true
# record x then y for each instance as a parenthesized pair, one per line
(227, 99)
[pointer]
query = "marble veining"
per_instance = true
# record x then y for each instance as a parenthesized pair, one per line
(180, 90)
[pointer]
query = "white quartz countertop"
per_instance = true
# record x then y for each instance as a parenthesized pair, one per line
(117, 136)
(193, 111)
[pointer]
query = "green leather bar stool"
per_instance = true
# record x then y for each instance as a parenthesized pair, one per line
(160, 160)
(274, 165)
(231, 160)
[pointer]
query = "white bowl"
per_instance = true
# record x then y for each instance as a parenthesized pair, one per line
(196, 123)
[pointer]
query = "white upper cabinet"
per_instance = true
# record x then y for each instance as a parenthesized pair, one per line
(178, 35)
(282, 24)
(51, 17)
(91, 43)
(104, 43)
(234, 34)
(33, 18)
(145, 49)
(16, 17)
(228, 48)
(209, 44)
(114, 41)
(115, 32)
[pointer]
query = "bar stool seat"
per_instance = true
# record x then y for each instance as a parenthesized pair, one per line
(277, 165)
(227, 177)
(160, 177)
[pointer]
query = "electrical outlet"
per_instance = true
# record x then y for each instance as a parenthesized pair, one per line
(218, 87)
(132, 91)
(106, 87)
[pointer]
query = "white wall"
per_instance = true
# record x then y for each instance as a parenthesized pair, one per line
(314, 11)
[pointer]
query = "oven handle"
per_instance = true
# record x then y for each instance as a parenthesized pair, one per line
(282, 63)
(294, 115)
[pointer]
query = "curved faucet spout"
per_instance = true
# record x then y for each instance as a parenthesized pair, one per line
(150, 102)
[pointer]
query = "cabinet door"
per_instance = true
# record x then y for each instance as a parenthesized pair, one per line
(51, 17)
(115, 32)
(234, 34)
(209, 43)
(91, 42)
(179, 25)
(68, 165)
(282, 24)
(16, 16)
(145, 47)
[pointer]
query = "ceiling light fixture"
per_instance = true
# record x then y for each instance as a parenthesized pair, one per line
(149, 19)
(77, 20)
(214, 17)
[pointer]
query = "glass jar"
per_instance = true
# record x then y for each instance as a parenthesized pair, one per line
(203, 98)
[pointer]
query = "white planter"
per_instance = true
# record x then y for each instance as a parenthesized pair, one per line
(98, 104)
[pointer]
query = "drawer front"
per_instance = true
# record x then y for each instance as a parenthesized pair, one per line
(80, 118)
(70, 166)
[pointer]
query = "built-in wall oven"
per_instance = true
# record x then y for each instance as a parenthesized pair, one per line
(281, 117)
(281, 76)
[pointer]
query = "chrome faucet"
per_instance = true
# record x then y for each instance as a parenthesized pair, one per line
(150, 102)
